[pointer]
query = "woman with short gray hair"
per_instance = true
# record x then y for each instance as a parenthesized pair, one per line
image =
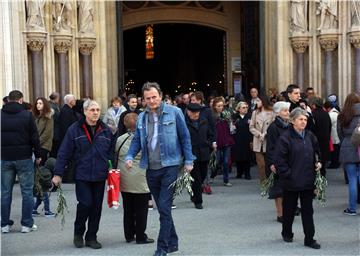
(296, 160)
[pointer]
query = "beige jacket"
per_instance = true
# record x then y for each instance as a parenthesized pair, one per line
(45, 127)
(133, 180)
(259, 123)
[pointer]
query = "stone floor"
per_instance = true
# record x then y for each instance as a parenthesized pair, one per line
(235, 221)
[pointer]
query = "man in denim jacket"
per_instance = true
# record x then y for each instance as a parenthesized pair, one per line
(164, 140)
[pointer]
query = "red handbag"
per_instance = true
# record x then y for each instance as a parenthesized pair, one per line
(113, 188)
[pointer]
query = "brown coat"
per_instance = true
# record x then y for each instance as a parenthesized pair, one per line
(259, 123)
(45, 127)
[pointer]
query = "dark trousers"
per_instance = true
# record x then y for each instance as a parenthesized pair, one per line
(159, 182)
(55, 148)
(44, 153)
(243, 167)
(199, 174)
(135, 215)
(335, 156)
(90, 196)
(289, 203)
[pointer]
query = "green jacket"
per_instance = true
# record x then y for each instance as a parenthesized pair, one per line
(45, 127)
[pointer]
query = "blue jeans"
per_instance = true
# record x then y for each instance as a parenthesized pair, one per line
(223, 154)
(25, 171)
(45, 199)
(353, 172)
(158, 182)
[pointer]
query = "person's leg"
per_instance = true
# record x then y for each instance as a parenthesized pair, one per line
(8, 173)
(25, 171)
(289, 206)
(246, 169)
(239, 170)
(307, 212)
(46, 202)
(141, 213)
(351, 171)
(84, 198)
(278, 205)
(97, 191)
(203, 166)
(260, 161)
(196, 185)
(128, 221)
(167, 235)
(226, 155)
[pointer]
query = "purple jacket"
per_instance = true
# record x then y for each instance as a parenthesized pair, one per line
(223, 136)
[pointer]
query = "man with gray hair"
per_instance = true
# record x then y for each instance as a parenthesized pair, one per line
(67, 115)
(90, 144)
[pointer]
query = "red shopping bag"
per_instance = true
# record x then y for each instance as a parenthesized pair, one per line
(113, 188)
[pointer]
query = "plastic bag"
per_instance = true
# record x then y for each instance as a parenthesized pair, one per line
(113, 188)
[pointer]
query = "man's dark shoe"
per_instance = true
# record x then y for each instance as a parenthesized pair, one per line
(93, 244)
(313, 245)
(247, 177)
(159, 253)
(279, 219)
(287, 239)
(199, 206)
(172, 249)
(78, 241)
(130, 240)
(146, 241)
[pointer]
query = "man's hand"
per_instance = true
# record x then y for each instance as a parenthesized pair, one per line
(318, 166)
(129, 164)
(56, 180)
(272, 168)
(38, 161)
(188, 168)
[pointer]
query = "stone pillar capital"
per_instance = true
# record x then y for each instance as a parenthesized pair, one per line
(328, 42)
(354, 38)
(299, 43)
(87, 45)
(36, 40)
(62, 42)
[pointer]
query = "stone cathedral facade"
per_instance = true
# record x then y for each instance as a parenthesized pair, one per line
(75, 46)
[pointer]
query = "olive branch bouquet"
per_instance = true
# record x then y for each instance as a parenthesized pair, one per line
(183, 181)
(266, 185)
(62, 207)
(320, 184)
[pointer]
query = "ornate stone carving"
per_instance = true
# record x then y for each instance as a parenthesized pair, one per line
(87, 45)
(86, 17)
(62, 15)
(298, 18)
(328, 42)
(35, 15)
(36, 40)
(354, 38)
(299, 44)
(355, 13)
(328, 11)
(62, 43)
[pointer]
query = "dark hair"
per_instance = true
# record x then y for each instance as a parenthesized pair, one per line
(148, 85)
(6, 99)
(198, 95)
(265, 102)
(347, 113)
(309, 89)
(291, 88)
(27, 106)
(328, 104)
(54, 96)
(15, 95)
(132, 96)
(46, 110)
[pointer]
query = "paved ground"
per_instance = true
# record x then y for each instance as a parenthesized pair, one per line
(234, 221)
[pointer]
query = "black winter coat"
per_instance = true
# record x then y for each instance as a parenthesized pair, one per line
(295, 160)
(323, 131)
(67, 117)
(242, 137)
(275, 130)
(202, 138)
(19, 135)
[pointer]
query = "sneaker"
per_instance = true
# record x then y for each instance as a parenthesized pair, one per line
(6, 229)
(25, 229)
(94, 244)
(228, 184)
(313, 245)
(35, 213)
(347, 211)
(49, 214)
(173, 206)
(151, 207)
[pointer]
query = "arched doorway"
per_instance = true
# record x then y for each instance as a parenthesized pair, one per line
(187, 57)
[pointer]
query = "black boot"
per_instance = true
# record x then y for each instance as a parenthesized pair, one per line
(78, 241)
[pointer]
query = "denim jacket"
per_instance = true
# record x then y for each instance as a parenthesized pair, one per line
(173, 135)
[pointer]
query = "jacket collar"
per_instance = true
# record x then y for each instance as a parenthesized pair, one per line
(13, 107)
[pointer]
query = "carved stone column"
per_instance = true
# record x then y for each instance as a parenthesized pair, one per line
(86, 46)
(36, 41)
(62, 43)
(354, 37)
(300, 44)
(329, 43)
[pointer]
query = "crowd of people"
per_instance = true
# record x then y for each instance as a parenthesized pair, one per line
(151, 138)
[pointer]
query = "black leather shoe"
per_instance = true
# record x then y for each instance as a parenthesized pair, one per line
(199, 206)
(172, 249)
(130, 240)
(313, 245)
(287, 239)
(146, 241)
(93, 244)
(279, 219)
(78, 241)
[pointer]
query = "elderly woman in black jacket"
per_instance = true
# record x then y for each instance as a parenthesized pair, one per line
(297, 159)
(276, 128)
